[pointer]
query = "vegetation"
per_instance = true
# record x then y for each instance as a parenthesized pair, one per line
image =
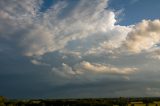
(82, 102)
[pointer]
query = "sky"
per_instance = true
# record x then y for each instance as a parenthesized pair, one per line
(79, 48)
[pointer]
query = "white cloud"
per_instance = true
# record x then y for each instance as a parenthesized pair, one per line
(86, 72)
(36, 62)
(65, 71)
(38, 41)
(143, 36)
(79, 24)
(111, 43)
(90, 25)
(37, 33)
(75, 54)
(17, 14)
(78, 44)
(103, 68)
(84, 67)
